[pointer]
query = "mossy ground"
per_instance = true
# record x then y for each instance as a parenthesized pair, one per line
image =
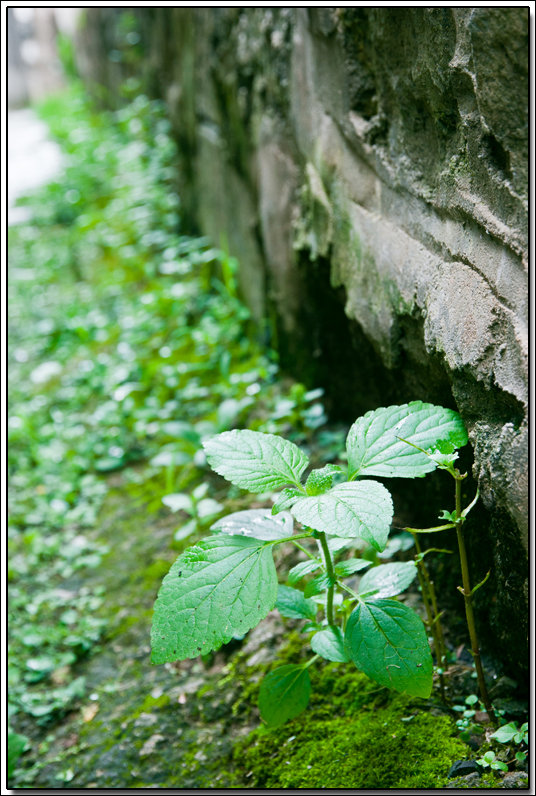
(354, 735)
(196, 724)
(121, 735)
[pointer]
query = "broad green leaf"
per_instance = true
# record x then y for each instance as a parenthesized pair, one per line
(284, 694)
(329, 643)
(286, 499)
(256, 523)
(373, 446)
(318, 585)
(292, 604)
(221, 587)
(345, 568)
(255, 461)
(302, 569)
(505, 733)
(389, 579)
(361, 509)
(387, 641)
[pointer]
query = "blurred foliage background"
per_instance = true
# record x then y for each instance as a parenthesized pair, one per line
(128, 344)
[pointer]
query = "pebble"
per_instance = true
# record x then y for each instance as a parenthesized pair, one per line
(463, 767)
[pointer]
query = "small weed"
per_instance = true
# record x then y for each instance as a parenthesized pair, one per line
(227, 584)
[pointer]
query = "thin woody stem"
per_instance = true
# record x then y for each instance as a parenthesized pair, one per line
(433, 624)
(429, 594)
(437, 622)
(468, 597)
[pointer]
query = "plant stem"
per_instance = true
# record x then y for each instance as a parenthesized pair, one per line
(306, 535)
(430, 605)
(349, 590)
(468, 597)
(331, 574)
(437, 622)
(307, 553)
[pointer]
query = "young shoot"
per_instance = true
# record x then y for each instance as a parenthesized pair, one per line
(226, 584)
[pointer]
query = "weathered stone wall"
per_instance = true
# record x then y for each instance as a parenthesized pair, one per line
(368, 166)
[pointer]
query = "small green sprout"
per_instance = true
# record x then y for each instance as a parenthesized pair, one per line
(226, 584)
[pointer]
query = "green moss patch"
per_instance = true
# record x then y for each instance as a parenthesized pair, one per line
(353, 735)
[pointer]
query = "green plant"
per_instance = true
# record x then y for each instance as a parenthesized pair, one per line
(514, 736)
(225, 585)
(512, 733)
(466, 724)
(489, 760)
(444, 457)
(433, 616)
